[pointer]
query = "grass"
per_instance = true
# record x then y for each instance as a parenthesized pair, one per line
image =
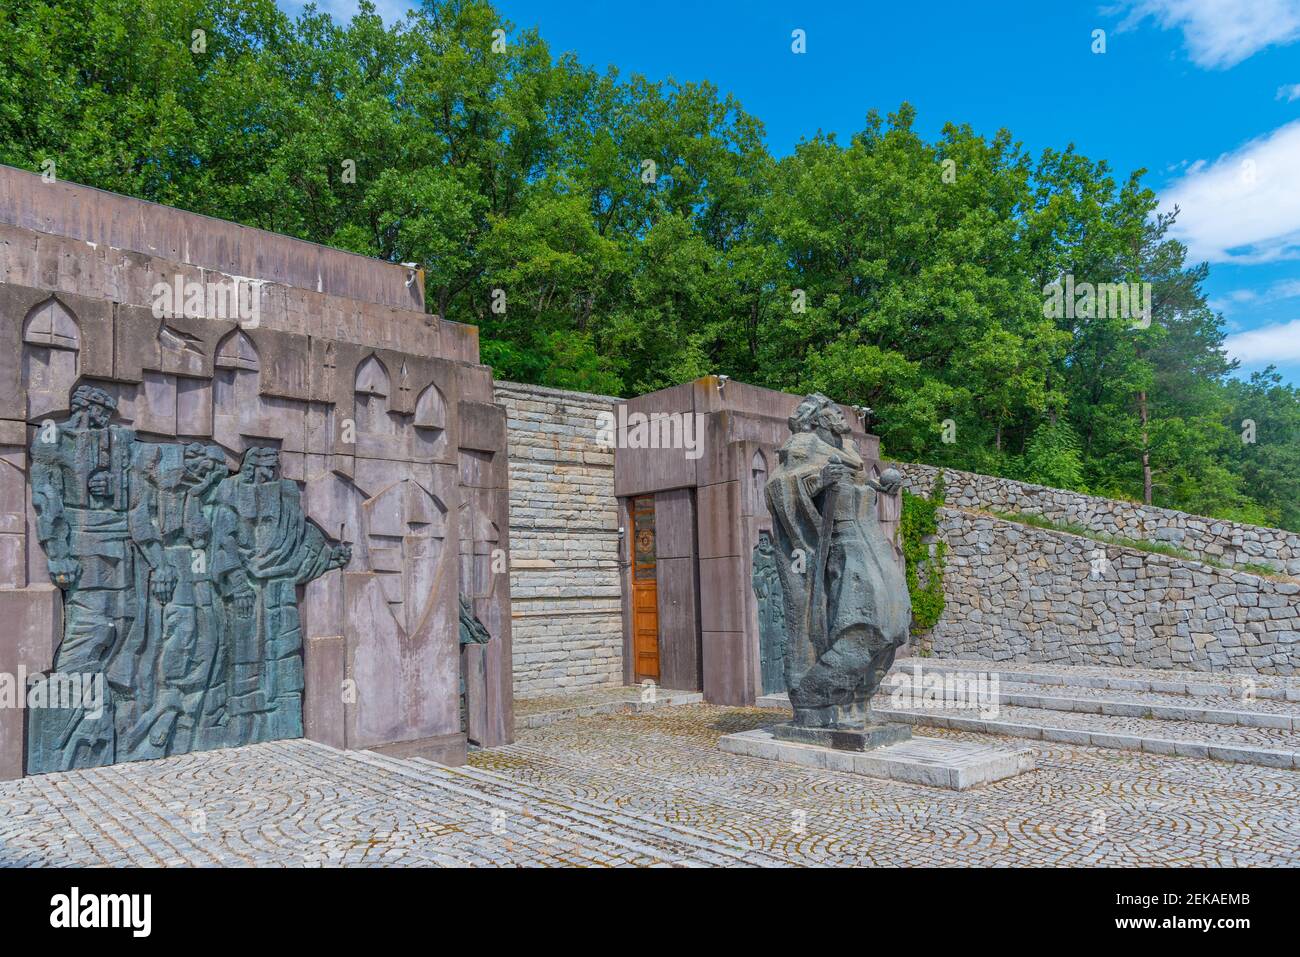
(1142, 545)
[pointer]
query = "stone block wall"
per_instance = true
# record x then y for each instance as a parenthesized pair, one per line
(1223, 541)
(1019, 593)
(564, 520)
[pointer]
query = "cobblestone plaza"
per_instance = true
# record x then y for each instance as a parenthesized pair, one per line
(644, 789)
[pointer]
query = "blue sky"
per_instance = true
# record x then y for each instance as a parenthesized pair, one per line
(1204, 94)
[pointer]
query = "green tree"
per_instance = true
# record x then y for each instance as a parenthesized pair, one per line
(619, 234)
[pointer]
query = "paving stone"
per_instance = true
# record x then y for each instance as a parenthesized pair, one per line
(956, 765)
(650, 789)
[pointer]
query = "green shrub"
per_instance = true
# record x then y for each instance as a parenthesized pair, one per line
(917, 524)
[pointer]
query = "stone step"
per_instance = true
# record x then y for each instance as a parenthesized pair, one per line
(536, 810)
(1191, 683)
(544, 819)
(466, 813)
(1269, 747)
(750, 812)
(1238, 702)
(1266, 714)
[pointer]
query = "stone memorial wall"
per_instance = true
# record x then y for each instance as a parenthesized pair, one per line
(239, 526)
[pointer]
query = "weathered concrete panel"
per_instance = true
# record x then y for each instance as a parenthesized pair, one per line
(109, 219)
(679, 625)
(674, 524)
(323, 712)
(719, 520)
(724, 681)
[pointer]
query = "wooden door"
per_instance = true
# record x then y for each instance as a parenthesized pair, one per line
(645, 590)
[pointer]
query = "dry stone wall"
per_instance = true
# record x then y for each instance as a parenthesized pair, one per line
(1222, 541)
(1020, 593)
(564, 569)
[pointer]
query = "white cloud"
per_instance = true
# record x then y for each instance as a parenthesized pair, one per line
(1290, 92)
(1221, 33)
(1278, 343)
(1282, 289)
(1244, 206)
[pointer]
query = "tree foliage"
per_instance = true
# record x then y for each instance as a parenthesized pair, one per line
(641, 235)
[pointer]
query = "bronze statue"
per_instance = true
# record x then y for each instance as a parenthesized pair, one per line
(847, 609)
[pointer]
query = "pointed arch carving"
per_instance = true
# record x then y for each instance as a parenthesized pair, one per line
(51, 356)
(237, 351)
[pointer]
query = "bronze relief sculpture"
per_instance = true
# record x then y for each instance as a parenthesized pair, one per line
(180, 591)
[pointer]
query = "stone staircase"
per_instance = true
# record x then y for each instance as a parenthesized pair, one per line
(1246, 719)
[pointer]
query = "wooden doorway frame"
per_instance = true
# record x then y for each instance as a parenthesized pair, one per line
(644, 592)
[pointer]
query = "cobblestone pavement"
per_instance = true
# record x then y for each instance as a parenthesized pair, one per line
(575, 699)
(535, 712)
(649, 789)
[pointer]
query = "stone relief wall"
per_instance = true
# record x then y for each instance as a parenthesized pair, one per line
(1227, 542)
(378, 416)
(179, 592)
(770, 611)
(564, 520)
(1020, 593)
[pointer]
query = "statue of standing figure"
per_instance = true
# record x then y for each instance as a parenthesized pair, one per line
(274, 549)
(81, 496)
(847, 609)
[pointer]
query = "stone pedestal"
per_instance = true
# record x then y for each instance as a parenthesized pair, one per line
(937, 762)
(874, 735)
